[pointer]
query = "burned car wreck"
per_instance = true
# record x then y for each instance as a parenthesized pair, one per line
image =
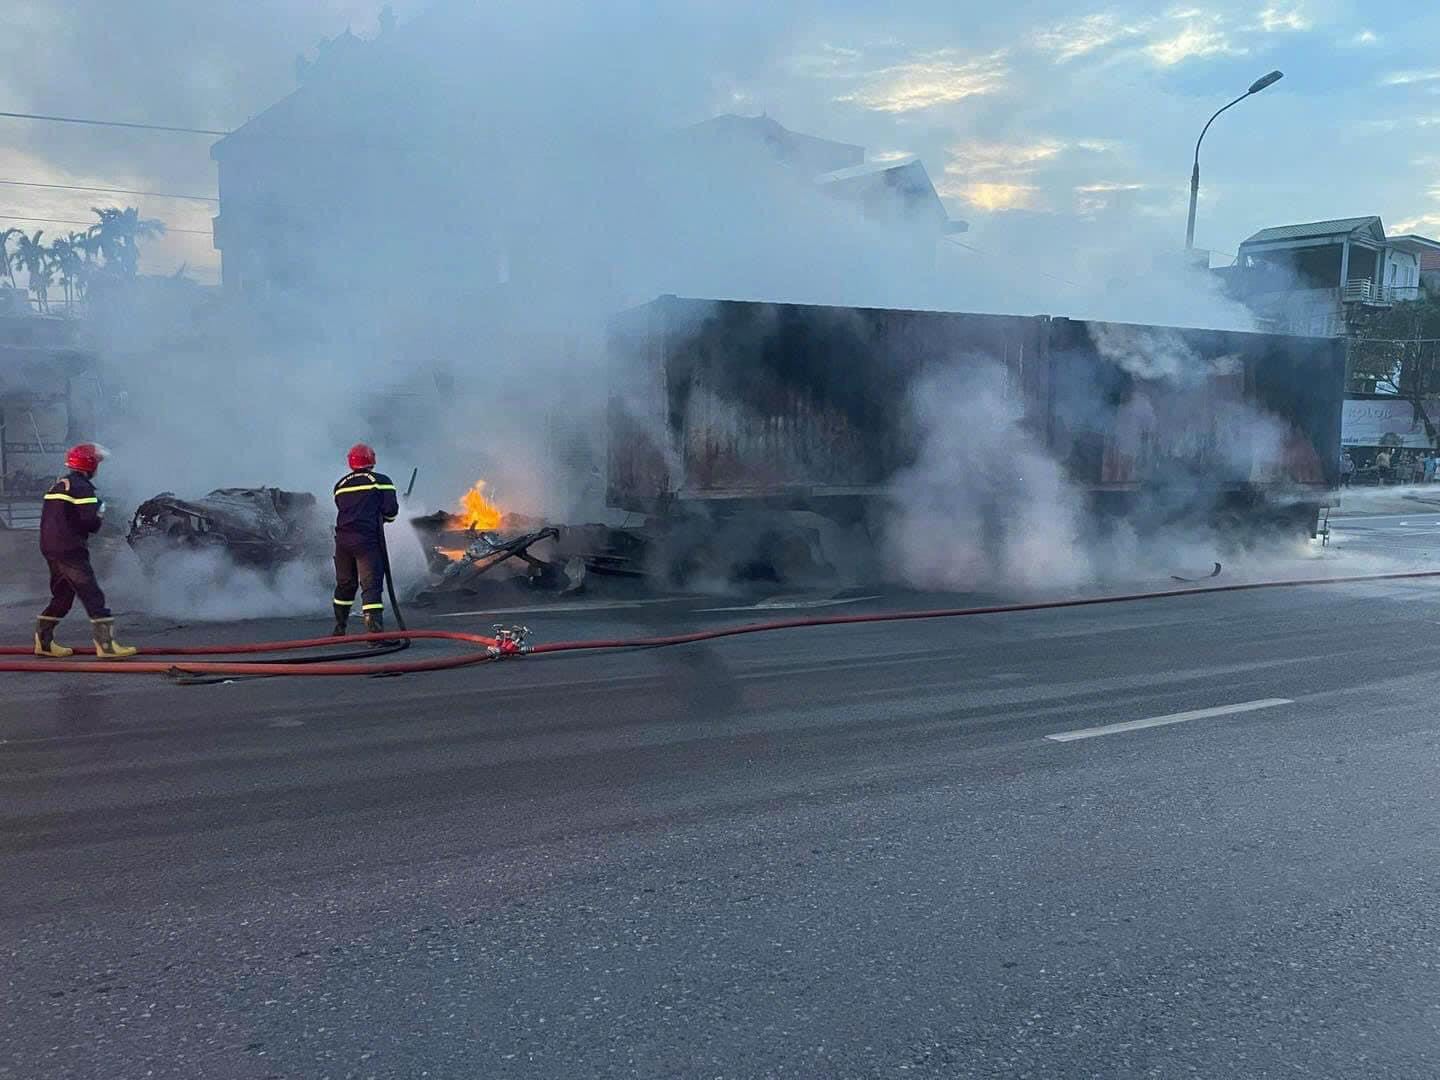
(259, 527)
(524, 552)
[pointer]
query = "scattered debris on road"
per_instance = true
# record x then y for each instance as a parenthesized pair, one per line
(1204, 577)
(550, 558)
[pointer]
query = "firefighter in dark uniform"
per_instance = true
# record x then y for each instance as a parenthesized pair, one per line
(72, 514)
(365, 501)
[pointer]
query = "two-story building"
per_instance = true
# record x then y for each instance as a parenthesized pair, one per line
(1329, 278)
(1311, 278)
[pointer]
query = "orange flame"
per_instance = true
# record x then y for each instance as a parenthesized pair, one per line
(477, 512)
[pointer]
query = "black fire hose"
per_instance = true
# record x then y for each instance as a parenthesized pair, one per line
(369, 652)
(390, 582)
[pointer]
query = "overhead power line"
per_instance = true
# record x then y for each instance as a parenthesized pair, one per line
(108, 190)
(110, 123)
(81, 221)
(1042, 273)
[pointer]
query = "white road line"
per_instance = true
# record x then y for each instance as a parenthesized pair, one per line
(792, 604)
(1172, 718)
(560, 609)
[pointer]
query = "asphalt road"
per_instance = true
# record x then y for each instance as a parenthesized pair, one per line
(847, 852)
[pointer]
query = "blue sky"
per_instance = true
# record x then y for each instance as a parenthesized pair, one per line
(1026, 113)
(1091, 112)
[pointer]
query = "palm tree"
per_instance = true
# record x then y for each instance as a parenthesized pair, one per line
(40, 281)
(65, 257)
(118, 235)
(31, 257)
(5, 263)
(88, 242)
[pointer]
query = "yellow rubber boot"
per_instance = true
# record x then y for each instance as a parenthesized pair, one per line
(105, 645)
(45, 639)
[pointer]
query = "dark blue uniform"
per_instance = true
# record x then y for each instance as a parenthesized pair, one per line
(365, 501)
(71, 515)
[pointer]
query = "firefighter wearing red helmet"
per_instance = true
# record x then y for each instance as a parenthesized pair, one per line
(365, 502)
(73, 513)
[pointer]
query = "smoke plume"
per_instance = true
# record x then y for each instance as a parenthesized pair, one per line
(470, 197)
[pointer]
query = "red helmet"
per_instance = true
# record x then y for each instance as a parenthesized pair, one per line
(85, 457)
(361, 456)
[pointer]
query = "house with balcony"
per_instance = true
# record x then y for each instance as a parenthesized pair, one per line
(1313, 278)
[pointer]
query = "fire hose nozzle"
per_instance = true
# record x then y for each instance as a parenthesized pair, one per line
(509, 640)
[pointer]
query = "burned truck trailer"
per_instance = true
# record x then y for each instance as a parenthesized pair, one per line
(731, 404)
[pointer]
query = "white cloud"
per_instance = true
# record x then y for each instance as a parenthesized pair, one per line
(1092, 198)
(1180, 34)
(1422, 224)
(1280, 17)
(1366, 37)
(826, 61)
(978, 157)
(1425, 222)
(993, 196)
(938, 78)
(996, 175)
(1201, 36)
(1410, 78)
(1080, 37)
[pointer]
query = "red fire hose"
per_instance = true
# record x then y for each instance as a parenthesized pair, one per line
(494, 648)
(491, 649)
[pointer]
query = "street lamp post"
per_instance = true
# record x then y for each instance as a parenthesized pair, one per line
(1255, 87)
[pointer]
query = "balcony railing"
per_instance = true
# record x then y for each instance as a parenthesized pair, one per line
(1366, 291)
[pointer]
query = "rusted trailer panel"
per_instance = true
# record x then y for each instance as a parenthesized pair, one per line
(1131, 401)
(721, 400)
(799, 405)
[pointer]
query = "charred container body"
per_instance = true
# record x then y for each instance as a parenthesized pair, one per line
(729, 404)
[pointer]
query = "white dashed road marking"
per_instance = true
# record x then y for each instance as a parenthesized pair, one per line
(561, 609)
(1171, 718)
(780, 603)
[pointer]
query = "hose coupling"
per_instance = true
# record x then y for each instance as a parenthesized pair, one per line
(509, 641)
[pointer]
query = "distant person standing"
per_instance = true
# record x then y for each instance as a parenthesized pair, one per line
(1347, 469)
(1430, 464)
(1382, 465)
(72, 514)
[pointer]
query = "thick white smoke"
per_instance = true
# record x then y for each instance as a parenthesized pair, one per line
(988, 504)
(206, 586)
(982, 505)
(472, 197)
